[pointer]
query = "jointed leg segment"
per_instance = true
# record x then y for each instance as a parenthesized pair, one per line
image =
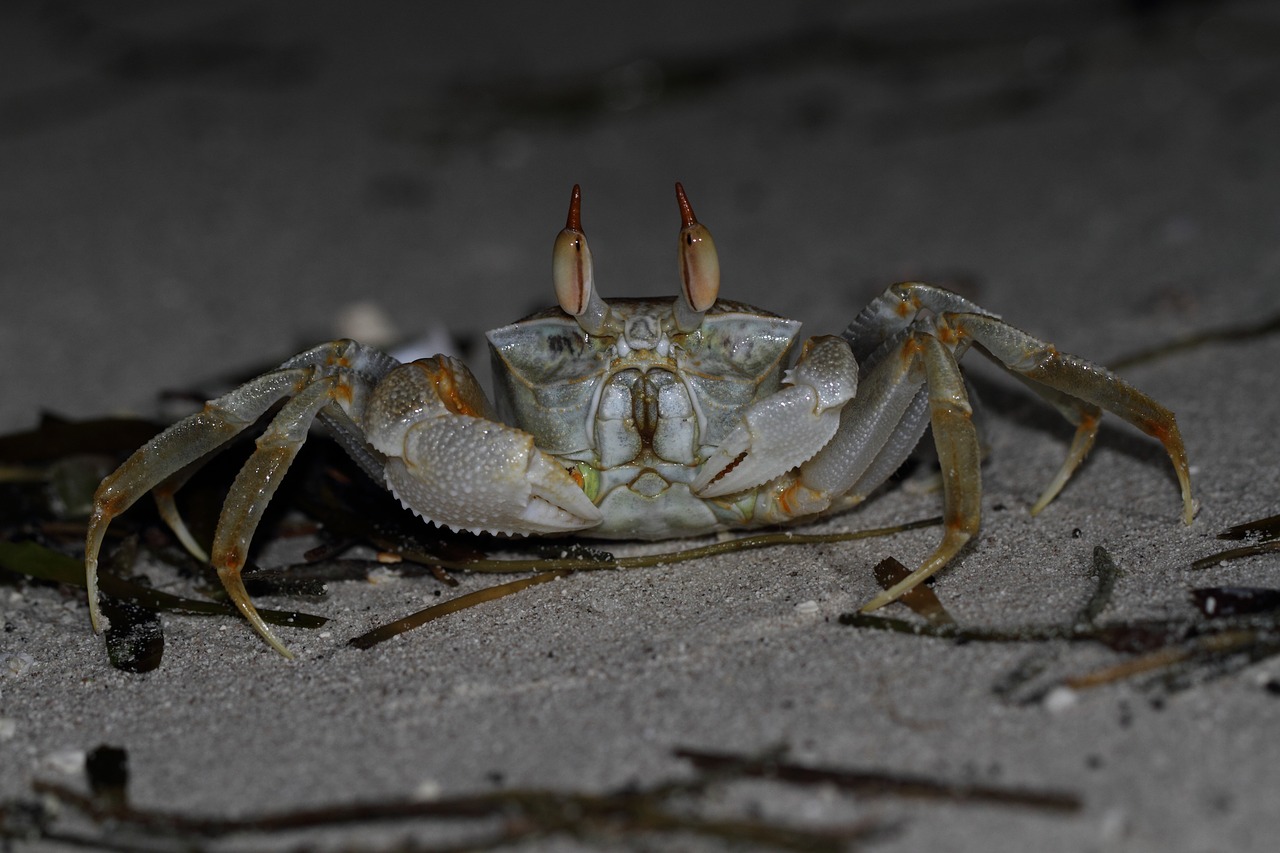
(913, 335)
(338, 373)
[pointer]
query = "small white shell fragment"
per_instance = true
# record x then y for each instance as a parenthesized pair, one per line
(16, 664)
(8, 728)
(66, 761)
(1060, 699)
(807, 608)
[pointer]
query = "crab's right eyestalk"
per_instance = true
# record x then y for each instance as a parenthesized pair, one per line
(574, 276)
(699, 268)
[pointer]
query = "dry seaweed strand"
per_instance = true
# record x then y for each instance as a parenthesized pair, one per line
(551, 568)
(632, 812)
(522, 814)
(1242, 632)
(1265, 530)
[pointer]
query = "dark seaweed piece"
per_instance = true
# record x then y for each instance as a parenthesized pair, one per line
(502, 817)
(1179, 651)
(1264, 528)
(1259, 549)
(877, 783)
(453, 605)
(36, 561)
(921, 600)
(497, 818)
(134, 636)
(569, 560)
(107, 771)
(1267, 530)
(1219, 601)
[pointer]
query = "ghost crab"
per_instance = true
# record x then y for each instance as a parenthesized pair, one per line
(639, 418)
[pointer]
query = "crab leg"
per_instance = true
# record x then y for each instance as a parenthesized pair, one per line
(254, 487)
(1097, 387)
(165, 497)
(959, 457)
(1086, 418)
(174, 449)
(168, 460)
(1078, 389)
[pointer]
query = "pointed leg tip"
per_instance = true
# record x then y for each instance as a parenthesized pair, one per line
(270, 636)
(266, 633)
(876, 603)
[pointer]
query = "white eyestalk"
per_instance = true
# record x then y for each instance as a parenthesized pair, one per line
(574, 275)
(699, 268)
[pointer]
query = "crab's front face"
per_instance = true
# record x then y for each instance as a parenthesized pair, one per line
(637, 412)
(648, 395)
(635, 394)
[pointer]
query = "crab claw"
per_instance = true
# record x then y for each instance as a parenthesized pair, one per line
(785, 429)
(451, 462)
(474, 474)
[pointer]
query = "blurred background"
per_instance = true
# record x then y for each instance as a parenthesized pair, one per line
(197, 189)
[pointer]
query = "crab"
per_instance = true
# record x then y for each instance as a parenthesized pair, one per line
(638, 419)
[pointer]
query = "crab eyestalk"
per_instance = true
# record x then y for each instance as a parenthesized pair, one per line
(574, 275)
(699, 268)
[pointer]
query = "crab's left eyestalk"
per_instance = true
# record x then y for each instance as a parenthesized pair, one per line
(574, 274)
(699, 268)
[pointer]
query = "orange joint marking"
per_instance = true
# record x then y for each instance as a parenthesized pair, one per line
(113, 504)
(910, 349)
(948, 335)
(788, 498)
(1155, 429)
(230, 562)
(450, 394)
(578, 478)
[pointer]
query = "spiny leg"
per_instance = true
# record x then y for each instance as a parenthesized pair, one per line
(253, 489)
(959, 456)
(180, 445)
(1073, 376)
